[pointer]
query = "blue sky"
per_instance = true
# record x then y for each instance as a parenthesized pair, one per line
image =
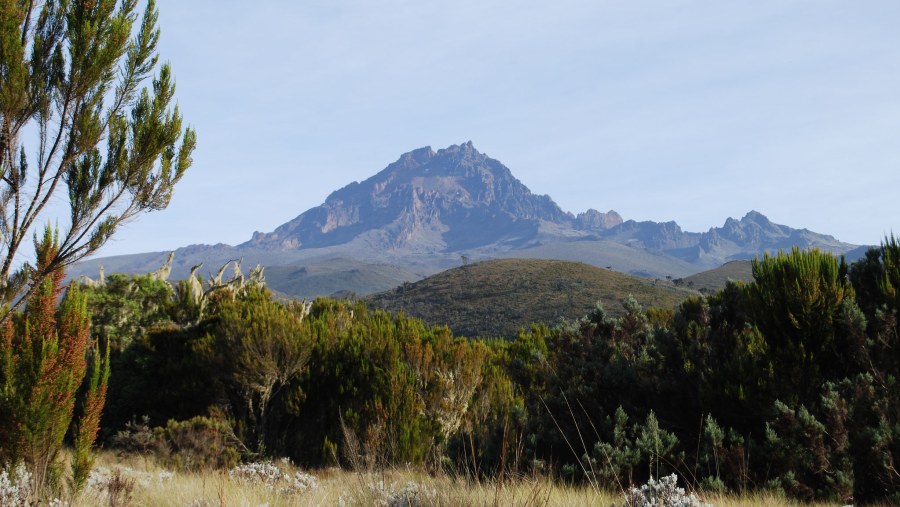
(664, 110)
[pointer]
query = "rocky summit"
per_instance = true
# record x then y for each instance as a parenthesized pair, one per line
(460, 200)
(446, 200)
(430, 210)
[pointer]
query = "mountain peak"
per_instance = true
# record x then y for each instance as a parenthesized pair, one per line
(457, 199)
(756, 217)
(450, 199)
(462, 153)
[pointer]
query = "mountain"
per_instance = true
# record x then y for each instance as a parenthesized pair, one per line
(431, 210)
(498, 297)
(450, 200)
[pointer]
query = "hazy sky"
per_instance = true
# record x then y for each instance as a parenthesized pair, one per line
(661, 110)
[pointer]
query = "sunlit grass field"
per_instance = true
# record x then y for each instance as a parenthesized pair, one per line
(136, 481)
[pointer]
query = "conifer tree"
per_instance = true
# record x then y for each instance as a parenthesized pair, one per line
(70, 90)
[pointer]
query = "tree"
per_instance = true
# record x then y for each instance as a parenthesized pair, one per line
(799, 301)
(44, 356)
(264, 350)
(70, 73)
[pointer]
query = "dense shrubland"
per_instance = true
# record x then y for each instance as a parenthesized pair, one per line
(787, 384)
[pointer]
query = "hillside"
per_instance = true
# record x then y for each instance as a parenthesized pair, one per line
(497, 297)
(714, 279)
(341, 276)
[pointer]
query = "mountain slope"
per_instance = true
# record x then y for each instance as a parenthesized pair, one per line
(715, 279)
(496, 298)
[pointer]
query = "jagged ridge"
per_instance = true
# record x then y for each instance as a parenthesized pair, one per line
(452, 199)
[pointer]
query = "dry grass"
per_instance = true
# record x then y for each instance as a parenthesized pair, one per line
(144, 483)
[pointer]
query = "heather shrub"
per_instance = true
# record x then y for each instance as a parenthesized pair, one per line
(199, 443)
(607, 400)
(46, 357)
(721, 458)
(808, 461)
(138, 438)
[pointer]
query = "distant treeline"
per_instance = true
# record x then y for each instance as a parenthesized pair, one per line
(788, 382)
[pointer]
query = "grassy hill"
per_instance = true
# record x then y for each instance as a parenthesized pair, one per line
(497, 297)
(714, 279)
(339, 276)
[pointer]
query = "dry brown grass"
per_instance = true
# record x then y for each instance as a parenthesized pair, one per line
(151, 486)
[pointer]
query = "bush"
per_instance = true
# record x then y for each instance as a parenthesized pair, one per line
(200, 443)
(662, 493)
(15, 486)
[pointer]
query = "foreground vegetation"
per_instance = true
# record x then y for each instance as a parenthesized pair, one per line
(138, 481)
(783, 386)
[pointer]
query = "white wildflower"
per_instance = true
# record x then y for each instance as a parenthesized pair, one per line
(165, 476)
(303, 481)
(15, 487)
(410, 494)
(662, 493)
(259, 472)
(273, 477)
(98, 478)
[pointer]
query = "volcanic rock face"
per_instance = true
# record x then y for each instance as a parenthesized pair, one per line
(593, 220)
(452, 199)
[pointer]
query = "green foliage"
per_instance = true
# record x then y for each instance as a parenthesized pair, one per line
(290, 375)
(634, 449)
(70, 85)
(876, 278)
(127, 307)
(809, 462)
(786, 382)
(165, 374)
(721, 458)
(45, 353)
(199, 443)
(402, 388)
(264, 347)
(497, 298)
(797, 300)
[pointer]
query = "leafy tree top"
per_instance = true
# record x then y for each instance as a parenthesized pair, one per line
(76, 121)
